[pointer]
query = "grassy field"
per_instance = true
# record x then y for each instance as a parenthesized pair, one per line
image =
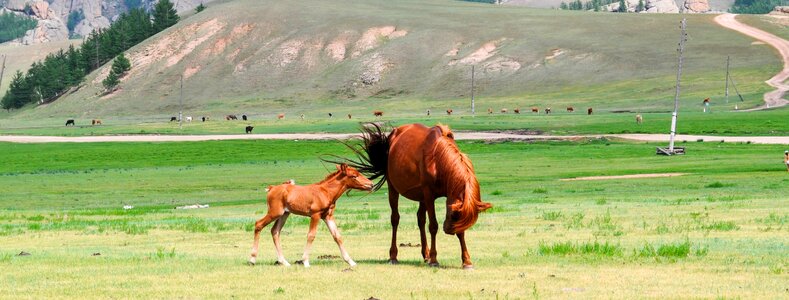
(721, 121)
(720, 231)
(247, 56)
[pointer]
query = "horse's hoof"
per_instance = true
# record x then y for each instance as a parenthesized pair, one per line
(351, 263)
(468, 267)
(433, 264)
(250, 263)
(393, 262)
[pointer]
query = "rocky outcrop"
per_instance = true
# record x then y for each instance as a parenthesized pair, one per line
(661, 6)
(50, 27)
(632, 5)
(696, 6)
(780, 10)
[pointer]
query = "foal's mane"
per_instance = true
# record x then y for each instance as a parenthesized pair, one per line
(329, 177)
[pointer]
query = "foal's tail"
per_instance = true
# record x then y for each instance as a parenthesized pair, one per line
(371, 155)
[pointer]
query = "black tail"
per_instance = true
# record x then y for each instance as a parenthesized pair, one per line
(372, 154)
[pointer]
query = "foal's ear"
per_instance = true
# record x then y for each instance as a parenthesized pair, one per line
(342, 167)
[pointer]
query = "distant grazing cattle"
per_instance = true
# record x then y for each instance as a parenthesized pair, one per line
(517, 110)
(205, 119)
(231, 117)
(570, 109)
(189, 119)
(547, 110)
(173, 119)
(639, 119)
(70, 122)
(378, 113)
(504, 110)
(490, 110)
(428, 112)
(244, 117)
(95, 122)
(349, 116)
(535, 109)
(280, 116)
(449, 112)
(249, 129)
(330, 115)
(589, 111)
(302, 116)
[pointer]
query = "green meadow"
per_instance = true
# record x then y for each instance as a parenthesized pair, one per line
(718, 231)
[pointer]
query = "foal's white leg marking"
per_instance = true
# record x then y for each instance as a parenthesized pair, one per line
(310, 237)
(275, 235)
(338, 239)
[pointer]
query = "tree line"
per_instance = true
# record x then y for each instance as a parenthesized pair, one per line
(50, 78)
(597, 5)
(756, 6)
(14, 26)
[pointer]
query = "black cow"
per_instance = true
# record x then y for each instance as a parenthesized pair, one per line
(249, 129)
(244, 117)
(173, 119)
(70, 122)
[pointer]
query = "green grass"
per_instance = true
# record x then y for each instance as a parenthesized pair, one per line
(63, 202)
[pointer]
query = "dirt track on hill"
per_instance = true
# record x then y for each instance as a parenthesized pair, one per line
(488, 136)
(775, 98)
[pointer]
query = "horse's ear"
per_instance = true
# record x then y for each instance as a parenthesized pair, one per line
(342, 168)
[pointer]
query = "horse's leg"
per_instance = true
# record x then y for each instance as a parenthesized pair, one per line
(430, 205)
(420, 219)
(275, 230)
(395, 219)
(259, 225)
(464, 252)
(335, 233)
(310, 237)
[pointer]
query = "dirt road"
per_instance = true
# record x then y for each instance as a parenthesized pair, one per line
(331, 136)
(775, 98)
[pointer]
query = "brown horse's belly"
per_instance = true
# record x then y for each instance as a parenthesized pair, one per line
(405, 159)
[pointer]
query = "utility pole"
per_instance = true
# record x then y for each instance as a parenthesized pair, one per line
(181, 104)
(727, 79)
(472, 90)
(682, 39)
(2, 70)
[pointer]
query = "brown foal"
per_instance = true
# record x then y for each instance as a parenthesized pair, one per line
(316, 201)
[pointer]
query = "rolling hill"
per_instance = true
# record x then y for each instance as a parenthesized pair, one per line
(266, 57)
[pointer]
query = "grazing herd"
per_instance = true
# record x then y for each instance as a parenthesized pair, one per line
(376, 114)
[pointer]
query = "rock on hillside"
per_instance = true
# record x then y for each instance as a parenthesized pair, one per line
(52, 15)
(696, 6)
(661, 6)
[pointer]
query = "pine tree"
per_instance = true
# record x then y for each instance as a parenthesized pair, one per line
(111, 81)
(120, 65)
(19, 93)
(622, 6)
(640, 6)
(563, 6)
(200, 8)
(164, 15)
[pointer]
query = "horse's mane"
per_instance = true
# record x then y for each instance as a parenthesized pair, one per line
(455, 168)
(329, 177)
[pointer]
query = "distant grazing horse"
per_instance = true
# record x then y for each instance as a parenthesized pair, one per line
(249, 129)
(95, 122)
(231, 117)
(639, 119)
(70, 122)
(422, 164)
(280, 116)
(517, 110)
(173, 119)
(589, 111)
(449, 112)
(535, 109)
(504, 110)
(490, 110)
(244, 117)
(570, 109)
(547, 110)
(302, 116)
(316, 201)
(378, 113)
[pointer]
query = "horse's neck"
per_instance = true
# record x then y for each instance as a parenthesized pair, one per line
(335, 188)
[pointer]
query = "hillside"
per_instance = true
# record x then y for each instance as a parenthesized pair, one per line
(406, 56)
(715, 5)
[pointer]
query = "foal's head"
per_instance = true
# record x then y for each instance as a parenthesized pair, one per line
(352, 178)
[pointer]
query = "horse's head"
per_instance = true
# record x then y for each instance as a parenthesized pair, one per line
(463, 209)
(353, 178)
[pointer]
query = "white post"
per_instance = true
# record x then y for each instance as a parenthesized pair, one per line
(682, 39)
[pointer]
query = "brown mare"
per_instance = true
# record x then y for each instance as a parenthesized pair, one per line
(280, 116)
(423, 164)
(535, 109)
(316, 201)
(504, 110)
